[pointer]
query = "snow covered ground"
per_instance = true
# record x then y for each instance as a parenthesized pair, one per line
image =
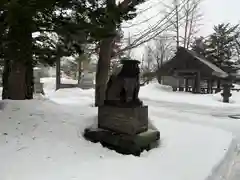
(42, 138)
(165, 93)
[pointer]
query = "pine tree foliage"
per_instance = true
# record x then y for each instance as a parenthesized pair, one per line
(199, 46)
(220, 45)
(73, 23)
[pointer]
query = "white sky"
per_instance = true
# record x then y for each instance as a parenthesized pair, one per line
(214, 12)
(218, 11)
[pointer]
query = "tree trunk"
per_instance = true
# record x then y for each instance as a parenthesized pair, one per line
(106, 46)
(102, 70)
(28, 59)
(29, 81)
(5, 76)
(159, 78)
(79, 71)
(186, 25)
(58, 73)
(17, 81)
(190, 30)
(18, 73)
(177, 22)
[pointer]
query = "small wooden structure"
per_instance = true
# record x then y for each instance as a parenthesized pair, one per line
(193, 69)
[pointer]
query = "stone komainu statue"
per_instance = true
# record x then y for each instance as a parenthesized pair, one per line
(123, 86)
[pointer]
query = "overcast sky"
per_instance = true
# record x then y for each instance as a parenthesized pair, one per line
(218, 11)
(214, 12)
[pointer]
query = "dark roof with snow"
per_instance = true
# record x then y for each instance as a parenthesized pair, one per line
(189, 60)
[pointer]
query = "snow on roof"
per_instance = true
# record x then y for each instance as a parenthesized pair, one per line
(216, 70)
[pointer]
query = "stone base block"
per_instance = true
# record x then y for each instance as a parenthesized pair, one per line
(123, 143)
(123, 120)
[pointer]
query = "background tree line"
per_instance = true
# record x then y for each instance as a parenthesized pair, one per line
(34, 32)
(41, 32)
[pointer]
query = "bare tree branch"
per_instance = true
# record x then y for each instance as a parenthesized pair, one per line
(161, 26)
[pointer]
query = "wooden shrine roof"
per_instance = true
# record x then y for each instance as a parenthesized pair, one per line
(189, 60)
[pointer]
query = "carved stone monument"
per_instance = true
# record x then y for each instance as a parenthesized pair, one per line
(123, 119)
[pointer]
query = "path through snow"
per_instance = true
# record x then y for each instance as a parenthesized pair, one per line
(204, 111)
(230, 168)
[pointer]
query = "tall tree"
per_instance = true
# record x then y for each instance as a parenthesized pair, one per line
(18, 53)
(74, 23)
(199, 46)
(186, 22)
(192, 19)
(219, 47)
(127, 9)
(21, 19)
(237, 45)
(177, 23)
(163, 51)
(220, 44)
(85, 57)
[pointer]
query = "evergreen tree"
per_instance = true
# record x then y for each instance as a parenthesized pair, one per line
(21, 20)
(220, 45)
(73, 22)
(199, 46)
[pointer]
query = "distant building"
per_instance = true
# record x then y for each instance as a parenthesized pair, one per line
(190, 72)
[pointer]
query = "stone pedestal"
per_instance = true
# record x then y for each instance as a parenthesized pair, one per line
(86, 81)
(125, 130)
(123, 120)
(124, 143)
